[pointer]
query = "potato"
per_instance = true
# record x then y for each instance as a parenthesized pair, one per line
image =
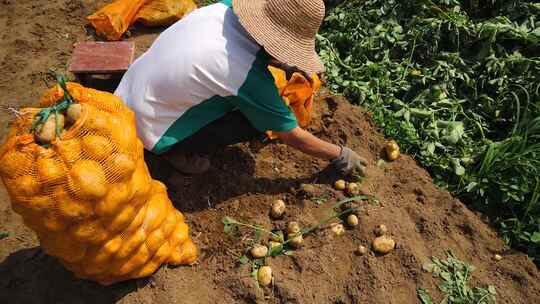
(307, 189)
(277, 236)
(340, 184)
(122, 166)
(259, 251)
(97, 147)
(73, 112)
(46, 132)
(380, 230)
(69, 149)
(88, 180)
(337, 229)
(361, 250)
(273, 244)
(352, 220)
(497, 257)
(13, 163)
(353, 189)
(383, 244)
(296, 242)
(278, 209)
(392, 150)
(264, 275)
(50, 170)
(293, 228)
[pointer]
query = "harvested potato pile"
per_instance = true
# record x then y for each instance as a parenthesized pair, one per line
(86, 191)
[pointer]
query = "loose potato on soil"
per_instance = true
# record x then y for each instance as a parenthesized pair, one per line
(293, 227)
(353, 189)
(392, 150)
(278, 209)
(340, 184)
(337, 229)
(264, 275)
(383, 244)
(297, 241)
(259, 251)
(380, 230)
(352, 220)
(307, 189)
(361, 250)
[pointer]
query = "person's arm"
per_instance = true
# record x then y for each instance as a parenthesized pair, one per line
(344, 159)
(308, 143)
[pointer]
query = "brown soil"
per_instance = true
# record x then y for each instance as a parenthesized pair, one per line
(425, 221)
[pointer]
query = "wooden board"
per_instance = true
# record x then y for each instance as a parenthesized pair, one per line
(102, 57)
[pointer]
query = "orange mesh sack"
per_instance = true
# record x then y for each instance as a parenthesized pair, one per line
(88, 194)
(113, 20)
(164, 12)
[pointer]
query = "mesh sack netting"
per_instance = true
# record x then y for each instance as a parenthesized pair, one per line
(88, 195)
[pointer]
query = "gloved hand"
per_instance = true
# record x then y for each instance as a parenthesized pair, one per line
(349, 162)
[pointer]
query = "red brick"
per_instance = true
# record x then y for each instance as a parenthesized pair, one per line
(102, 57)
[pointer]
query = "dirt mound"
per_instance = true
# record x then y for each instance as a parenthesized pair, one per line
(243, 182)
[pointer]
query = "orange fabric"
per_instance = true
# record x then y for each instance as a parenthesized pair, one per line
(297, 92)
(164, 12)
(89, 196)
(113, 20)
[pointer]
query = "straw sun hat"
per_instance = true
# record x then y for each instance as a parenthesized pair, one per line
(285, 28)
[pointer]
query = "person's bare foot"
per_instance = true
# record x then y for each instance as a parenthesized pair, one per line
(188, 163)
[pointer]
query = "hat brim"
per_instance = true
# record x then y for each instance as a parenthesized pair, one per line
(281, 44)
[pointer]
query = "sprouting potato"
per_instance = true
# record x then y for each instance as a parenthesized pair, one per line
(383, 244)
(392, 150)
(353, 189)
(352, 220)
(264, 275)
(259, 251)
(337, 229)
(340, 184)
(362, 250)
(278, 209)
(293, 228)
(46, 133)
(296, 242)
(273, 244)
(274, 237)
(380, 230)
(73, 112)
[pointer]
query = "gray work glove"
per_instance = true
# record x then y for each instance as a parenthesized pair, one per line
(349, 162)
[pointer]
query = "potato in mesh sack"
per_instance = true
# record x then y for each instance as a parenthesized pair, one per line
(87, 192)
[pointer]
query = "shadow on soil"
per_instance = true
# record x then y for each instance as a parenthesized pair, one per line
(30, 276)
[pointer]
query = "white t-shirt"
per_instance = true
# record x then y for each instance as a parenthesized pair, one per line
(196, 71)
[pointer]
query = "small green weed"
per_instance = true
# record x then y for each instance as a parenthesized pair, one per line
(455, 275)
